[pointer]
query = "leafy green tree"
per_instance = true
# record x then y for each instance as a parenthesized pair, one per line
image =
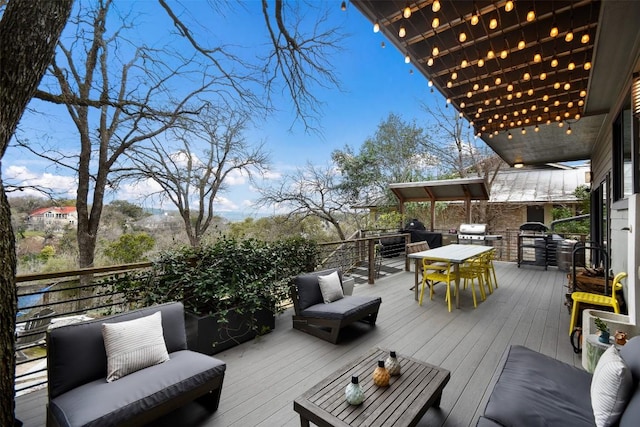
(130, 248)
(393, 154)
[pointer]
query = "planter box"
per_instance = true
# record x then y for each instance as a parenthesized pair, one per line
(206, 335)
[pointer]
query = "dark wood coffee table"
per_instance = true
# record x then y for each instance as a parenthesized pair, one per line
(403, 403)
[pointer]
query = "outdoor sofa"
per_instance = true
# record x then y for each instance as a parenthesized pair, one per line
(80, 395)
(532, 389)
(316, 315)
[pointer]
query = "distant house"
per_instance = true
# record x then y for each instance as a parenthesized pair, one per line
(53, 218)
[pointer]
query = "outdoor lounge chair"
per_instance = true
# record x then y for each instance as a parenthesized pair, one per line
(35, 328)
(325, 320)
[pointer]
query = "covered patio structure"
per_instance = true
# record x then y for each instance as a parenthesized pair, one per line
(465, 189)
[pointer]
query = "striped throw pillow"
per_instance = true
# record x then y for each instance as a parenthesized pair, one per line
(611, 388)
(133, 345)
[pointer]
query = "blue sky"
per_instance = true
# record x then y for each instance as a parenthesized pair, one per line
(375, 82)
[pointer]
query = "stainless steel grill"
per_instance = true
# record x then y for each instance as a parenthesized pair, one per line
(476, 234)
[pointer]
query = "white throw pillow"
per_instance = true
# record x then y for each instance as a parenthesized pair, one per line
(330, 287)
(133, 345)
(611, 388)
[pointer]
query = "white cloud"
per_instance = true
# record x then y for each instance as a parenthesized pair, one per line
(21, 176)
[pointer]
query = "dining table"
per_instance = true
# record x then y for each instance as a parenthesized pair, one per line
(455, 254)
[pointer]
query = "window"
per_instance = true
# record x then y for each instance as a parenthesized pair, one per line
(625, 155)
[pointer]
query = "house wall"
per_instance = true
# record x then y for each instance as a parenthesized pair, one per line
(625, 247)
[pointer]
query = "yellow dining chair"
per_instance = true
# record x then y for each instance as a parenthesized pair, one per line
(473, 270)
(489, 270)
(596, 299)
(434, 272)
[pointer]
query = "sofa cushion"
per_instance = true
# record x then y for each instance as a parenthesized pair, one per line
(76, 353)
(133, 345)
(630, 353)
(611, 387)
(631, 413)
(99, 403)
(330, 287)
(343, 308)
(536, 390)
(308, 289)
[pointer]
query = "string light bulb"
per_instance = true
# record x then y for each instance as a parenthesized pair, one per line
(537, 128)
(509, 135)
(435, 51)
(508, 6)
(480, 62)
(462, 37)
(462, 104)
(571, 66)
(402, 31)
(554, 62)
(569, 36)
(376, 27)
(407, 59)
(554, 30)
(430, 61)
(521, 44)
(491, 54)
(435, 6)
(587, 65)
(475, 18)
(406, 12)
(454, 75)
(524, 131)
(343, 6)
(435, 23)
(569, 130)
(503, 54)
(543, 76)
(526, 76)
(537, 57)
(498, 81)
(430, 84)
(585, 38)
(567, 86)
(531, 15)
(493, 23)
(464, 63)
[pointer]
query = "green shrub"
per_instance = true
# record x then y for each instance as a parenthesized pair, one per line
(245, 275)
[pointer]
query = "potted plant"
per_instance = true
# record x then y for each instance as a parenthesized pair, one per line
(604, 330)
(231, 289)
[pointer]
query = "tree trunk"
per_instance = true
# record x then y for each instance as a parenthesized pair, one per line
(29, 31)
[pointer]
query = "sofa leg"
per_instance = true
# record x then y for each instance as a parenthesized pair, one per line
(211, 400)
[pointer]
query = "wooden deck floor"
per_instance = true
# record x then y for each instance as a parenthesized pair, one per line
(265, 376)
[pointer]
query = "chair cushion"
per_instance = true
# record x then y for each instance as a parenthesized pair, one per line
(330, 287)
(308, 289)
(630, 353)
(133, 345)
(536, 390)
(345, 307)
(99, 403)
(610, 388)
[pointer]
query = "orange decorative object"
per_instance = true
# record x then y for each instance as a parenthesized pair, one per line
(381, 375)
(621, 337)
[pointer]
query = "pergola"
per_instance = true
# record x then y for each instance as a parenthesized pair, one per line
(533, 78)
(465, 189)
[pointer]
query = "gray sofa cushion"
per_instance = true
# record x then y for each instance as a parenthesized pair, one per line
(76, 353)
(342, 308)
(537, 390)
(630, 352)
(308, 288)
(99, 403)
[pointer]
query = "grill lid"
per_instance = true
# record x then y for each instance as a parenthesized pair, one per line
(473, 229)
